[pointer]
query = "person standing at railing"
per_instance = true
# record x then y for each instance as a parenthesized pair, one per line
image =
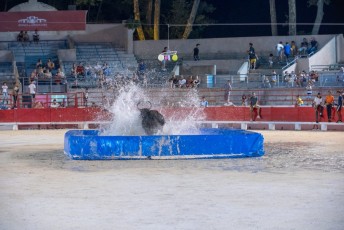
(4, 93)
(314, 46)
(339, 106)
(287, 51)
(196, 52)
(32, 89)
(228, 89)
(254, 106)
(329, 101)
(318, 106)
(15, 93)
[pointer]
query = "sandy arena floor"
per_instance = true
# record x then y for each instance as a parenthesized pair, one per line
(298, 184)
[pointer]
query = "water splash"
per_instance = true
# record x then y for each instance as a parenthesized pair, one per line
(126, 115)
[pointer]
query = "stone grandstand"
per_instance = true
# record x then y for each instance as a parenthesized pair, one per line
(221, 60)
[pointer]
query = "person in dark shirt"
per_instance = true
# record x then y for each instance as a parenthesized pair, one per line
(196, 52)
(314, 46)
(339, 106)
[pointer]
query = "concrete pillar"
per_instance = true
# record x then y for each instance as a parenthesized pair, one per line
(243, 126)
(271, 126)
(297, 126)
(323, 127)
(214, 125)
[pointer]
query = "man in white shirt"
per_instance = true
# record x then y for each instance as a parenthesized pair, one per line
(32, 88)
(279, 48)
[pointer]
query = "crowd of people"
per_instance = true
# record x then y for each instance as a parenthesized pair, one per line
(24, 37)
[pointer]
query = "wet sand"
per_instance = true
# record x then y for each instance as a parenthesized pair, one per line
(297, 184)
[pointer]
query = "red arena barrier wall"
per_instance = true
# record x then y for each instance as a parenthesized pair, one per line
(239, 113)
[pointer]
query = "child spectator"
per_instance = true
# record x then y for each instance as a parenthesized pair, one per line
(299, 101)
(204, 102)
(35, 36)
(4, 93)
(271, 60)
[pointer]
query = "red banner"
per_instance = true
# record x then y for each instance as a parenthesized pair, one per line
(43, 20)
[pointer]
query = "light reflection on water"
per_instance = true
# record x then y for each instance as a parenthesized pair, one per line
(278, 157)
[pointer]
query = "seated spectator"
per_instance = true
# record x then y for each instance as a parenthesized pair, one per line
(39, 63)
(314, 46)
(20, 36)
(38, 105)
(73, 71)
(299, 101)
(189, 82)
(26, 37)
(106, 69)
(175, 82)
(40, 72)
(204, 102)
(55, 104)
(35, 36)
(196, 82)
(80, 70)
(47, 74)
(304, 46)
(33, 75)
(182, 82)
(50, 65)
(60, 76)
(142, 67)
(273, 78)
(293, 48)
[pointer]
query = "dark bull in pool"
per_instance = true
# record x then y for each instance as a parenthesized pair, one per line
(152, 120)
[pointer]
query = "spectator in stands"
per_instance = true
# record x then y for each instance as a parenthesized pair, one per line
(329, 101)
(299, 101)
(106, 69)
(182, 82)
(4, 93)
(254, 106)
(293, 48)
(252, 57)
(60, 76)
(228, 89)
(309, 90)
(243, 100)
(80, 70)
(35, 36)
(266, 81)
(287, 51)
(26, 37)
(38, 105)
(73, 72)
(55, 104)
(20, 36)
(50, 65)
(196, 52)
(204, 102)
(273, 79)
(15, 93)
(318, 106)
(189, 82)
(314, 46)
(39, 63)
(40, 72)
(279, 48)
(32, 89)
(163, 62)
(196, 82)
(304, 46)
(339, 106)
(142, 68)
(271, 60)
(175, 82)
(47, 74)
(86, 97)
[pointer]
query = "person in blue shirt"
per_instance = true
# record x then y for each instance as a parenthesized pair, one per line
(287, 51)
(339, 106)
(204, 102)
